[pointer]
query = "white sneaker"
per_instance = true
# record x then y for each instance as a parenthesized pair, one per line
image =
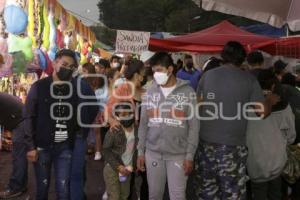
(98, 156)
(105, 197)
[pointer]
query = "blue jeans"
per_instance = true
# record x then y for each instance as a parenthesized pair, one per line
(78, 169)
(60, 155)
(18, 178)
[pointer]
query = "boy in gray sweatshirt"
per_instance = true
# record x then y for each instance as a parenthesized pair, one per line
(168, 132)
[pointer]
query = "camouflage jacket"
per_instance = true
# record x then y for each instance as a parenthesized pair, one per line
(115, 145)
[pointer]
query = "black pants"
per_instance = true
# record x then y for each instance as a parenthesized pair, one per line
(271, 190)
(18, 178)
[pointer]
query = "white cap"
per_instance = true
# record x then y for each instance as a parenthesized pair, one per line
(146, 55)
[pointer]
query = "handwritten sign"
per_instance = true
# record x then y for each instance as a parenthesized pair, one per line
(132, 41)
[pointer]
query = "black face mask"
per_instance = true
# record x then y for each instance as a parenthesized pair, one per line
(189, 65)
(144, 81)
(64, 74)
(127, 123)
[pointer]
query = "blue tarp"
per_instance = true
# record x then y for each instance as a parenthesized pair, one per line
(266, 29)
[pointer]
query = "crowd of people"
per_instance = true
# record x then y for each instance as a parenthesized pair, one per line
(164, 130)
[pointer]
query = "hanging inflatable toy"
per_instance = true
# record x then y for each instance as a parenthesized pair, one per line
(19, 62)
(37, 8)
(46, 32)
(40, 25)
(31, 23)
(63, 21)
(53, 47)
(59, 39)
(49, 69)
(16, 19)
(42, 59)
(18, 43)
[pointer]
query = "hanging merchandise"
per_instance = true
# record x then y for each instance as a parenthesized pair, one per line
(6, 68)
(46, 32)
(59, 39)
(18, 43)
(37, 10)
(63, 21)
(19, 62)
(42, 59)
(49, 69)
(2, 5)
(31, 21)
(2, 21)
(40, 25)
(13, 14)
(52, 37)
(35, 64)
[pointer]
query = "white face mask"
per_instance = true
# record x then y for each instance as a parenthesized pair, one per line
(161, 78)
(116, 65)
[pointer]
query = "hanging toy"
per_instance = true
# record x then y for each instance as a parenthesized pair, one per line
(6, 68)
(42, 59)
(59, 39)
(19, 62)
(53, 47)
(40, 25)
(16, 19)
(49, 70)
(46, 32)
(24, 44)
(63, 21)
(37, 9)
(31, 23)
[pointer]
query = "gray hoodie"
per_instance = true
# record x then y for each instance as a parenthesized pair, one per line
(163, 129)
(267, 141)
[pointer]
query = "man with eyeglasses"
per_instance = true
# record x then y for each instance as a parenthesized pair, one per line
(51, 125)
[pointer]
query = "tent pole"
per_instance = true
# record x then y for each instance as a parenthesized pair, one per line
(287, 30)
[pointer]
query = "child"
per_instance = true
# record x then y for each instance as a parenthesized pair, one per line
(119, 151)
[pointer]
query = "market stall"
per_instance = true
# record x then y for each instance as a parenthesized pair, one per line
(211, 40)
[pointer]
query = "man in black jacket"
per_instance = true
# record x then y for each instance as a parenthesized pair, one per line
(51, 125)
(11, 119)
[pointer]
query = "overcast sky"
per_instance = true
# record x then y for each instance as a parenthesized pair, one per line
(86, 10)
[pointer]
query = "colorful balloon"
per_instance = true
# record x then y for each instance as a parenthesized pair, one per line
(16, 19)
(17, 43)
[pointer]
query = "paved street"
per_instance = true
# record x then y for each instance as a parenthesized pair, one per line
(94, 186)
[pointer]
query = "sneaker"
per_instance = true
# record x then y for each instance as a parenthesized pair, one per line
(98, 156)
(8, 194)
(105, 197)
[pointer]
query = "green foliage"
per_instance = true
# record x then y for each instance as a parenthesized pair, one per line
(147, 15)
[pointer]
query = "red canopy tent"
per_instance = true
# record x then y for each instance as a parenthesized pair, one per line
(288, 47)
(211, 40)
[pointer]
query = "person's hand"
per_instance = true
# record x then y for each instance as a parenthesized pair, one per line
(32, 155)
(273, 99)
(123, 170)
(188, 167)
(141, 163)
